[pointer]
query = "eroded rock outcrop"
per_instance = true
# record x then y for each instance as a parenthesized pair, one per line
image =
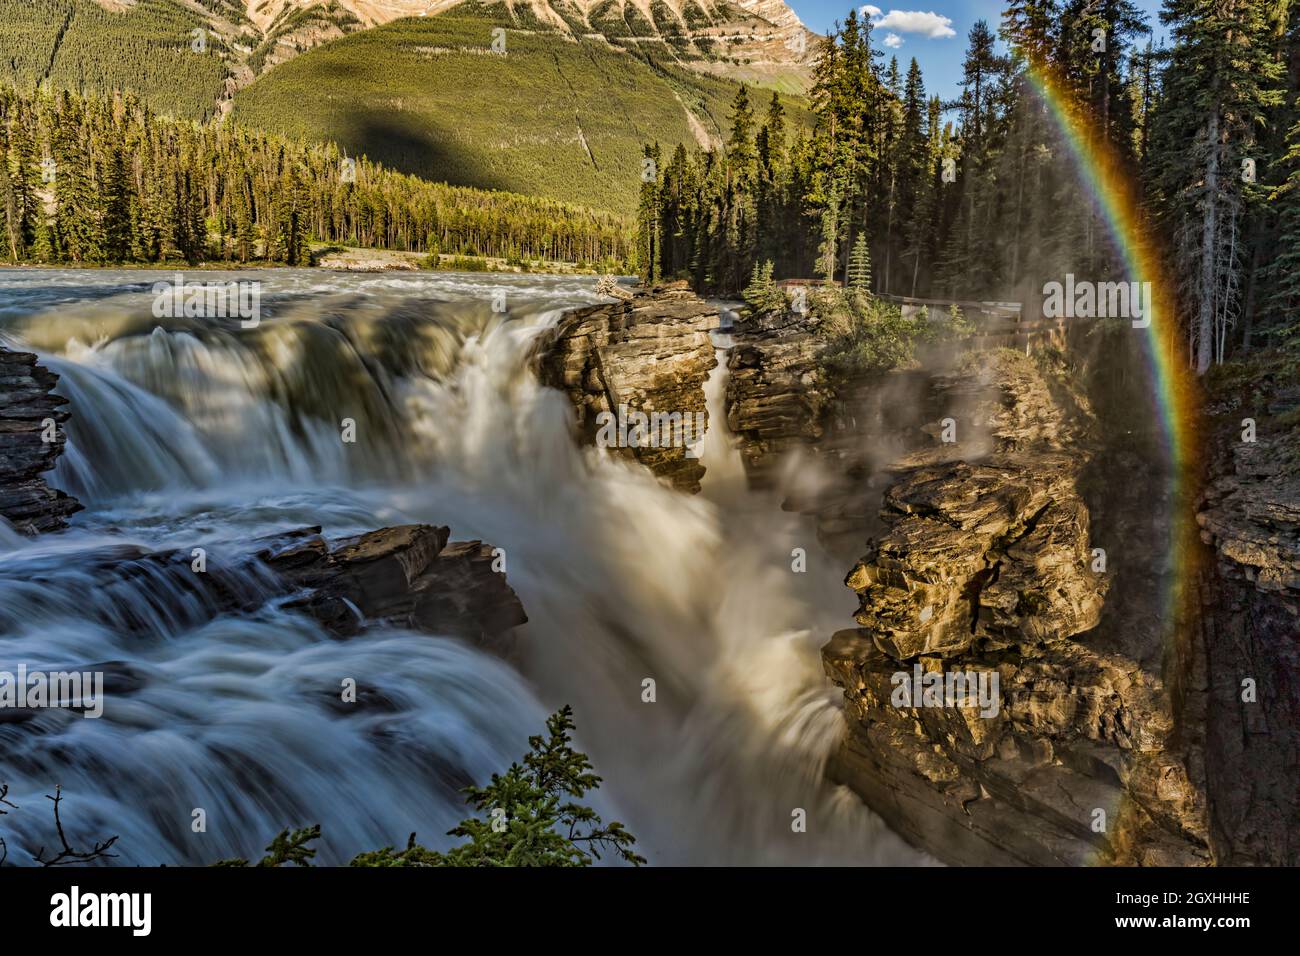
(1250, 518)
(817, 435)
(984, 569)
(409, 575)
(647, 356)
(30, 412)
(777, 392)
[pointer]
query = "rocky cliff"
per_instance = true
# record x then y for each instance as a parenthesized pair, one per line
(31, 441)
(777, 393)
(765, 36)
(818, 438)
(1250, 595)
(635, 372)
(984, 575)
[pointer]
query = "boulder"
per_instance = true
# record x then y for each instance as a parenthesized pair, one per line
(408, 575)
(27, 406)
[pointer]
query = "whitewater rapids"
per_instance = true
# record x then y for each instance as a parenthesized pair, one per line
(186, 434)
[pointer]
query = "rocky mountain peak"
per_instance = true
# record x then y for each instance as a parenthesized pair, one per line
(752, 40)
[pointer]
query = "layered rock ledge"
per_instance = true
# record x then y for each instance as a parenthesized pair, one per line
(408, 575)
(984, 569)
(777, 393)
(648, 355)
(30, 413)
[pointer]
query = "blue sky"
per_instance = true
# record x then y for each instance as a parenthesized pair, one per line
(933, 31)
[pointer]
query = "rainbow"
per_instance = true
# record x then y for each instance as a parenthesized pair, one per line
(1115, 196)
(1115, 193)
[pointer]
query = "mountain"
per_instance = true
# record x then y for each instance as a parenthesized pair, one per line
(415, 84)
(556, 115)
(146, 46)
(759, 41)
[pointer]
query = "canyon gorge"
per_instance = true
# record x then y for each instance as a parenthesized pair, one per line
(997, 511)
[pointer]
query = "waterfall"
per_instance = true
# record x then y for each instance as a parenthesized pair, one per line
(186, 437)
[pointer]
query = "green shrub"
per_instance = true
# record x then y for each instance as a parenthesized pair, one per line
(528, 816)
(863, 333)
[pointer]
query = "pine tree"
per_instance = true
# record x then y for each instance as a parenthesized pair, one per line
(1030, 28)
(648, 239)
(1220, 81)
(741, 154)
(24, 179)
(293, 219)
(762, 293)
(771, 140)
(773, 182)
(12, 232)
(966, 261)
(529, 815)
(828, 251)
(858, 275)
(78, 215)
(679, 215)
(910, 162)
(245, 233)
(118, 197)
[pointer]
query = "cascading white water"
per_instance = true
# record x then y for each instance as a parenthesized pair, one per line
(186, 436)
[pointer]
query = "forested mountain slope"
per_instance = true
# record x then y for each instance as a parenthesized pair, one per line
(561, 113)
(554, 115)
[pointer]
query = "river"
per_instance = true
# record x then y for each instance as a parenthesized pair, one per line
(190, 433)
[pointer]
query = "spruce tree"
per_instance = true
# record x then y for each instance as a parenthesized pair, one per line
(1219, 84)
(24, 180)
(79, 214)
(118, 197)
(648, 238)
(858, 275)
(762, 293)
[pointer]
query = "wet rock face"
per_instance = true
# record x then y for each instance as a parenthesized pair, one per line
(409, 575)
(27, 407)
(985, 556)
(1250, 519)
(983, 576)
(777, 394)
(1250, 515)
(990, 555)
(646, 356)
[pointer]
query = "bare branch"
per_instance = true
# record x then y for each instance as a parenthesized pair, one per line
(67, 854)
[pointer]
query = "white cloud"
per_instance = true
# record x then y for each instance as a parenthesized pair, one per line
(932, 25)
(893, 41)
